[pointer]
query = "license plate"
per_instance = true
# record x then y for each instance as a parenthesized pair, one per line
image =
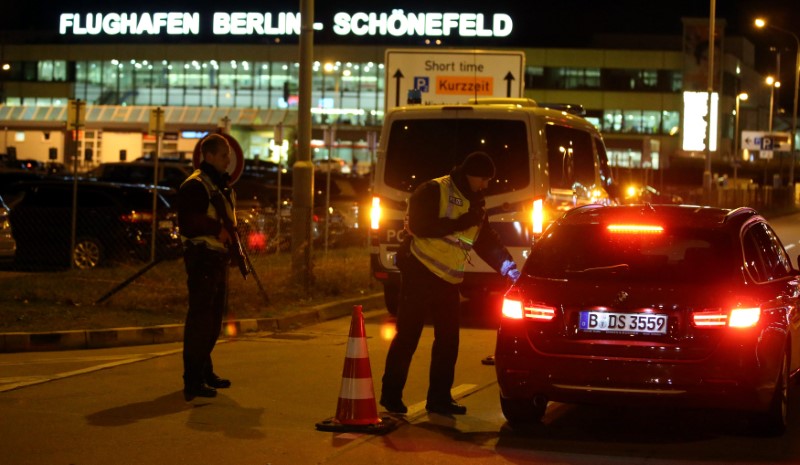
(630, 323)
(165, 224)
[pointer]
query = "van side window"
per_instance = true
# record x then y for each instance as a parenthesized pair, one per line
(570, 157)
(606, 176)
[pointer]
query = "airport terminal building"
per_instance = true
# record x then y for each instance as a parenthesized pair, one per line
(206, 69)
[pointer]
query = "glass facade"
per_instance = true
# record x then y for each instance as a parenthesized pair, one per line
(347, 93)
(343, 92)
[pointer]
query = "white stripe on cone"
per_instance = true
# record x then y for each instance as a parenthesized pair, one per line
(356, 388)
(357, 348)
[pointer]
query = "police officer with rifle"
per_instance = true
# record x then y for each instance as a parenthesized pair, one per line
(206, 217)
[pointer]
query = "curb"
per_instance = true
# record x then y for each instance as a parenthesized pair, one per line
(119, 337)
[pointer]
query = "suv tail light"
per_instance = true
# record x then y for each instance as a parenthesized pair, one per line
(717, 317)
(514, 309)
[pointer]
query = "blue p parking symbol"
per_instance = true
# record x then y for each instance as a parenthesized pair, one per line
(421, 83)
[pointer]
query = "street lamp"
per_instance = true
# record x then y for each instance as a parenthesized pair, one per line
(772, 83)
(767, 155)
(736, 157)
(761, 23)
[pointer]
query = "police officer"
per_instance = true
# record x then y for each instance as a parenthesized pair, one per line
(206, 259)
(446, 219)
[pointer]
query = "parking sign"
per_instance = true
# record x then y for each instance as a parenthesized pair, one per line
(452, 76)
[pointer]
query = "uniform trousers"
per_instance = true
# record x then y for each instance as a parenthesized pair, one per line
(424, 295)
(207, 281)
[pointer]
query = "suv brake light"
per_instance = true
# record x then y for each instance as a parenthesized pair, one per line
(512, 308)
(635, 228)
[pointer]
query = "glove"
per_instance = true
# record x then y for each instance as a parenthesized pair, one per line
(473, 217)
(510, 271)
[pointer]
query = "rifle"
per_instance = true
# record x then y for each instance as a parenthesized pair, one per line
(235, 247)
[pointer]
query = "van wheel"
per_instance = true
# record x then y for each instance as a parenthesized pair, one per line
(391, 297)
(88, 253)
(773, 422)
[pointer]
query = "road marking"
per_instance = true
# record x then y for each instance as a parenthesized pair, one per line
(415, 411)
(17, 383)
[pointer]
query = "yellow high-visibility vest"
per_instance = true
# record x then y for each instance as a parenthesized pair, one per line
(211, 241)
(446, 256)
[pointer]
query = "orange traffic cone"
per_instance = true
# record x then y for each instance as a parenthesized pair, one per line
(356, 410)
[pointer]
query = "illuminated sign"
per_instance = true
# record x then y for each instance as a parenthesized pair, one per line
(129, 23)
(451, 76)
(397, 24)
(400, 24)
(695, 111)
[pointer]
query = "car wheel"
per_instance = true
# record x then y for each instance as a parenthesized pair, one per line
(391, 297)
(88, 253)
(520, 412)
(773, 422)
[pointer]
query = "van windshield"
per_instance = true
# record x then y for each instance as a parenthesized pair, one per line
(419, 150)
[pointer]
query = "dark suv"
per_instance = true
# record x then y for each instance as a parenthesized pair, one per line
(113, 222)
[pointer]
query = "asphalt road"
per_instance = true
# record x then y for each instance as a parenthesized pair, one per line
(124, 406)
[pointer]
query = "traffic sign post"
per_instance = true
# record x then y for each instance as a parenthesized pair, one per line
(451, 76)
(76, 117)
(156, 126)
(766, 141)
(278, 138)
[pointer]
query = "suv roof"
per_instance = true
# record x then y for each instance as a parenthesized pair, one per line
(706, 217)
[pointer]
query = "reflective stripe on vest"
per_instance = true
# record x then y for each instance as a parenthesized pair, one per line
(210, 241)
(445, 256)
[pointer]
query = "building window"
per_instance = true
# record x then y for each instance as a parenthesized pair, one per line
(534, 77)
(579, 78)
(51, 70)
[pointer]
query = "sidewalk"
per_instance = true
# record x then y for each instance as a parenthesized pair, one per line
(117, 337)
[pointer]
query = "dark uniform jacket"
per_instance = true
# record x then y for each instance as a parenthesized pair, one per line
(193, 203)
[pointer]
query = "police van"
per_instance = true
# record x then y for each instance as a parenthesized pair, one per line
(548, 159)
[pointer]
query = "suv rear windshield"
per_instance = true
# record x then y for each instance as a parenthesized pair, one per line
(590, 251)
(419, 150)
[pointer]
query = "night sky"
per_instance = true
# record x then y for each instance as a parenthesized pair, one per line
(546, 23)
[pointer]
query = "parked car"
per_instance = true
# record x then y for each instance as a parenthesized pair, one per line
(171, 174)
(668, 305)
(11, 176)
(8, 245)
(113, 222)
(348, 207)
(263, 217)
(333, 165)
